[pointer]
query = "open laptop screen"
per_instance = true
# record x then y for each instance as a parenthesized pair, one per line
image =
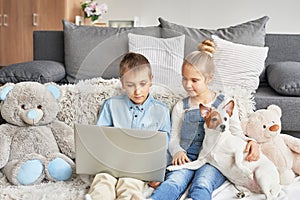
(120, 152)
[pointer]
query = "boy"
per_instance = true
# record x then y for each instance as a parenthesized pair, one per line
(136, 109)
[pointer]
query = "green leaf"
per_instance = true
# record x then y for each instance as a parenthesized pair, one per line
(83, 6)
(94, 17)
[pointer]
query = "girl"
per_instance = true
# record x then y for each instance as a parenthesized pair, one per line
(187, 131)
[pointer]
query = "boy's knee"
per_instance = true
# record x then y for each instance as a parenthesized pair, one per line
(102, 187)
(131, 183)
(126, 187)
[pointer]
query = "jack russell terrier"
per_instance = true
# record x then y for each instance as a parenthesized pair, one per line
(225, 151)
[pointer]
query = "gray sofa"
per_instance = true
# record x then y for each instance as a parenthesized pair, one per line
(278, 82)
(284, 56)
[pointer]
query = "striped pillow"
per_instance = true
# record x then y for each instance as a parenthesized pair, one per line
(165, 56)
(237, 64)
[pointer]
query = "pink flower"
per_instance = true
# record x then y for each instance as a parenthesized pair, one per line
(93, 10)
(101, 9)
(93, 5)
(88, 11)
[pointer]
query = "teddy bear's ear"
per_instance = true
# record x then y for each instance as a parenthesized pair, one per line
(54, 90)
(5, 90)
(275, 109)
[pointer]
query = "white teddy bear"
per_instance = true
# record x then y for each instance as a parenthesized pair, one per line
(264, 126)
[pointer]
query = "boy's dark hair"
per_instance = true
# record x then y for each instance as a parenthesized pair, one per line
(134, 60)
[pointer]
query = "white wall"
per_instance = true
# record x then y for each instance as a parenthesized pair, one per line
(284, 15)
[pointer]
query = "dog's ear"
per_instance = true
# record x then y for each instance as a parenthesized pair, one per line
(229, 107)
(204, 111)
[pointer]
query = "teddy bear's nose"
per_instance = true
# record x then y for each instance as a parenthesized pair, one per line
(32, 114)
(275, 127)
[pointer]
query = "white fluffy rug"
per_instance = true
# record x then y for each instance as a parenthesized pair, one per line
(70, 190)
(81, 102)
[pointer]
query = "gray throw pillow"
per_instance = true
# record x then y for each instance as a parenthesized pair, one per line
(92, 51)
(41, 71)
(283, 77)
(248, 33)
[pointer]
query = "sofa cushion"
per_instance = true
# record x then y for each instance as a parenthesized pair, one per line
(283, 77)
(164, 55)
(248, 33)
(282, 47)
(237, 64)
(92, 51)
(48, 45)
(42, 71)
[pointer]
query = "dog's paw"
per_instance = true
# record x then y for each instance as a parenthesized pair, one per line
(174, 167)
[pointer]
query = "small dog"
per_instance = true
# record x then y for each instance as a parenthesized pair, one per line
(226, 152)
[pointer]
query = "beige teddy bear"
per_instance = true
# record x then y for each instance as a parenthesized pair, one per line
(264, 126)
(34, 145)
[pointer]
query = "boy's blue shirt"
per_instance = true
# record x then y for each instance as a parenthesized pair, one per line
(120, 111)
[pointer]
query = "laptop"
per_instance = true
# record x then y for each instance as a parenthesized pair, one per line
(134, 153)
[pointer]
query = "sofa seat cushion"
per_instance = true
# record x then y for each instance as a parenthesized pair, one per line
(284, 77)
(266, 96)
(42, 71)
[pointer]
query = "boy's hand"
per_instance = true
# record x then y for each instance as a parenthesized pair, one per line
(154, 184)
(180, 158)
(253, 151)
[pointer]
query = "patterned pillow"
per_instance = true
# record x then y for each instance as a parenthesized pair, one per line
(237, 64)
(164, 55)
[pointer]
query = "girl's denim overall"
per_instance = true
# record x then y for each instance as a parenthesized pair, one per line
(205, 179)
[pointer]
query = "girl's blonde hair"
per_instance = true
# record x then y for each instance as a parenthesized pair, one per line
(202, 59)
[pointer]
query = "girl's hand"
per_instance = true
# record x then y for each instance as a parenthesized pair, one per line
(154, 184)
(253, 151)
(180, 158)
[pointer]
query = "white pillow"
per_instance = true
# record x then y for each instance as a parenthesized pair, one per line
(165, 56)
(237, 64)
